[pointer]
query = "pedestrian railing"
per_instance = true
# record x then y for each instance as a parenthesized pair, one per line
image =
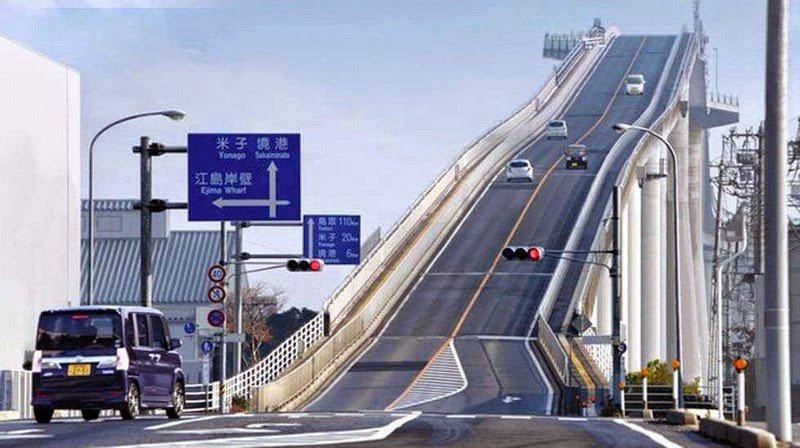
(550, 345)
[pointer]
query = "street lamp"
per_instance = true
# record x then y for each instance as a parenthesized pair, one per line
(622, 128)
(171, 114)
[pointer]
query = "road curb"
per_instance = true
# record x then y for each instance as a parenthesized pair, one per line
(740, 436)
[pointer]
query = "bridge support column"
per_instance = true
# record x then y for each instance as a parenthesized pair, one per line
(632, 260)
(693, 342)
(651, 256)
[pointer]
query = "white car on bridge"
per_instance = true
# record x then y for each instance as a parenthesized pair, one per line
(519, 169)
(556, 129)
(634, 84)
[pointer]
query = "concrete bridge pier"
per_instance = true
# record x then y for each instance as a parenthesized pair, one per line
(632, 259)
(653, 320)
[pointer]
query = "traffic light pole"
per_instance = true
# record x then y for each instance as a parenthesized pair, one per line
(615, 296)
(237, 296)
(223, 347)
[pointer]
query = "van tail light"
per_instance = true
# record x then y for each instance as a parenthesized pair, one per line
(121, 361)
(36, 362)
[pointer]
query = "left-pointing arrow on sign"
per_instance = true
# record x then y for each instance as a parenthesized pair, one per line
(272, 201)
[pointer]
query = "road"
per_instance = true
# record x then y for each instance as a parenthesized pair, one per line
(483, 302)
(344, 429)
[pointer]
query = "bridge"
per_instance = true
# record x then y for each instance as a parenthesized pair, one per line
(436, 320)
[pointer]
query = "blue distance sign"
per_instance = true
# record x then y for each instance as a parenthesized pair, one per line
(335, 239)
(247, 177)
(189, 327)
(206, 346)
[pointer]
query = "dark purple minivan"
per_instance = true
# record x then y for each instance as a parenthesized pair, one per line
(94, 357)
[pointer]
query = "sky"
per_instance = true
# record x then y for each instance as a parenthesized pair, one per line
(384, 93)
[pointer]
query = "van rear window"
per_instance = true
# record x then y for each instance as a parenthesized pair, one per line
(519, 164)
(73, 330)
(556, 124)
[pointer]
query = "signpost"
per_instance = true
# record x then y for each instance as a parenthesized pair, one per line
(206, 347)
(189, 327)
(244, 177)
(335, 239)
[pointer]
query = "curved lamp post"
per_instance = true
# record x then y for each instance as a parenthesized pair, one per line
(622, 128)
(171, 114)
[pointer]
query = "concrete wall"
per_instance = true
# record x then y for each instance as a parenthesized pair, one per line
(40, 214)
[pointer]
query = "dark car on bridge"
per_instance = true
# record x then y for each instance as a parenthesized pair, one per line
(576, 157)
(93, 358)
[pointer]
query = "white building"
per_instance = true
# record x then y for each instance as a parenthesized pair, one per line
(40, 197)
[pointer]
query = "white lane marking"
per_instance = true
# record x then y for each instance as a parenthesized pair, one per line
(348, 414)
(461, 416)
(180, 422)
(515, 417)
(307, 439)
(654, 436)
(266, 425)
(572, 419)
(23, 434)
(209, 431)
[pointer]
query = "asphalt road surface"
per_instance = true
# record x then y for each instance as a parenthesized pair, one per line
(483, 302)
(345, 429)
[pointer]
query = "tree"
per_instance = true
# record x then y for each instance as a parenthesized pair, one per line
(259, 302)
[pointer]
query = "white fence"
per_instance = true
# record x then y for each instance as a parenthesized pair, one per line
(277, 360)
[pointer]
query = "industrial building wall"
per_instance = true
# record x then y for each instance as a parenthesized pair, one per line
(40, 194)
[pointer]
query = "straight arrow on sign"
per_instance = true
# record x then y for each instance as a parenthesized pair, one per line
(310, 224)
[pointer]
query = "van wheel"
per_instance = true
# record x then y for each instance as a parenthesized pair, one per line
(132, 403)
(178, 400)
(42, 414)
(90, 414)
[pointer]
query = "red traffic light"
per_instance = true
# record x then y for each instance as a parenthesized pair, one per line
(305, 265)
(533, 253)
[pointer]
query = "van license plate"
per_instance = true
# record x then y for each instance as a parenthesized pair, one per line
(79, 370)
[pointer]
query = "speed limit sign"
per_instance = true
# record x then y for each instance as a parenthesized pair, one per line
(217, 294)
(217, 273)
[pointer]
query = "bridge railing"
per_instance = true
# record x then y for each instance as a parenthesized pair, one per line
(552, 348)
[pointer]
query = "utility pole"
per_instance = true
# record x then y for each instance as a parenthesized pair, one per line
(147, 206)
(616, 315)
(776, 297)
(145, 223)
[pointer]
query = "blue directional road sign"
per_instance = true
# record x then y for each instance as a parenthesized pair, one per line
(335, 239)
(244, 177)
(206, 346)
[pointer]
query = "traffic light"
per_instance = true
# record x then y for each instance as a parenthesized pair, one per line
(305, 265)
(532, 253)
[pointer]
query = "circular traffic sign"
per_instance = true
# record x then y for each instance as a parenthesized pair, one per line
(216, 294)
(217, 273)
(216, 318)
(189, 327)
(206, 346)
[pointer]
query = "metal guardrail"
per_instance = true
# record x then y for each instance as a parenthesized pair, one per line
(202, 397)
